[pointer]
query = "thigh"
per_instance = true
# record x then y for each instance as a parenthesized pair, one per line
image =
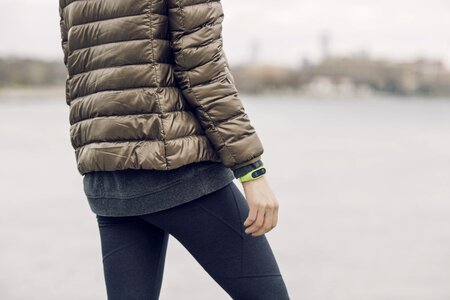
(133, 257)
(211, 229)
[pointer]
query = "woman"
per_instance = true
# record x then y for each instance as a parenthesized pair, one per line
(160, 134)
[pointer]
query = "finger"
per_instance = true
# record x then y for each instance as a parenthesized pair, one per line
(267, 225)
(275, 218)
(253, 211)
(258, 222)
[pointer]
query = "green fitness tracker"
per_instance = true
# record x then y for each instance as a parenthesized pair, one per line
(254, 174)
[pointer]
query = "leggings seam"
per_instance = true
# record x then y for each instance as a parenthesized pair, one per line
(121, 248)
(222, 221)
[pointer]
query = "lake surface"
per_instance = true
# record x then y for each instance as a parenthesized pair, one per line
(363, 187)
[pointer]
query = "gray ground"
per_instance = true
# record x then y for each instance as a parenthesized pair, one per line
(363, 187)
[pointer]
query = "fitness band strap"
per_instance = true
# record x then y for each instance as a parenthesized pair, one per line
(254, 174)
(241, 171)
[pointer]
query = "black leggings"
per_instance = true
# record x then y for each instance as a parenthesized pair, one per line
(210, 228)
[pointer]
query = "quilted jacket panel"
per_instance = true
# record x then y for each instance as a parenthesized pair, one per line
(149, 86)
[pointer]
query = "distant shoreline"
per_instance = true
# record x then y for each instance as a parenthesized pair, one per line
(58, 93)
(32, 92)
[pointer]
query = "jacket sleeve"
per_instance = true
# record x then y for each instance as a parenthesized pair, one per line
(203, 75)
(64, 40)
(63, 31)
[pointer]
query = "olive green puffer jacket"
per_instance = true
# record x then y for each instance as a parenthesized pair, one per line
(149, 86)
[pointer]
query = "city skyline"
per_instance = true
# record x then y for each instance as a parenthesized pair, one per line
(404, 30)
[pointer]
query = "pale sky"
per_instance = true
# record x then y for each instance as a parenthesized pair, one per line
(285, 30)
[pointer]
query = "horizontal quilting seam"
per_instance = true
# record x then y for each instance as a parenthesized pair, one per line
(122, 66)
(199, 66)
(115, 42)
(120, 90)
(132, 115)
(107, 19)
(111, 43)
(123, 141)
(212, 80)
(73, 1)
(218, 97)
(204, 44)
(233, 116)
(195, 29)
(245, 135)
(123, 89)
(110, 18)
(216, 40)
(206, 2)
(187, 32)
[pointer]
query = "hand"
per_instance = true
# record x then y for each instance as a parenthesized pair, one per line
(263, 207)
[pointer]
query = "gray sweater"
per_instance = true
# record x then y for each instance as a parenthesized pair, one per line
(136, 192)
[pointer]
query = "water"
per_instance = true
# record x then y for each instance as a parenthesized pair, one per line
(363, 188)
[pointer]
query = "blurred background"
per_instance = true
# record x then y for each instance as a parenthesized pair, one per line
(352, 102)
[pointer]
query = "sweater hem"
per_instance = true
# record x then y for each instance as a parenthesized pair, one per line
(182, 192)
